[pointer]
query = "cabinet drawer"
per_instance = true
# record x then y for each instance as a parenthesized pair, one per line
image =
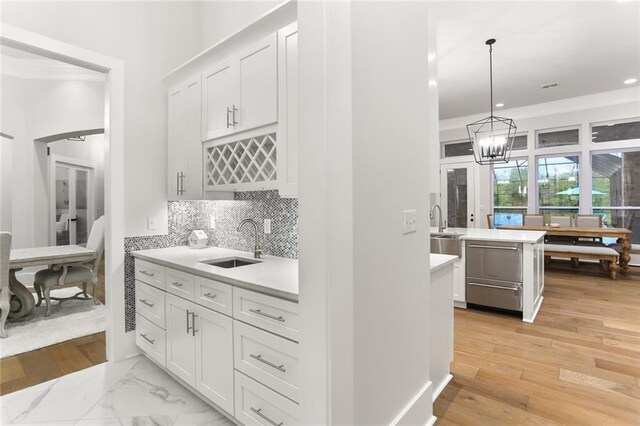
(258, 405)
(151, 339)
(267, 358)
(181, 284)
(150, 303)
(150, 273)
(273, 314)
(494, 260)
(214, 295)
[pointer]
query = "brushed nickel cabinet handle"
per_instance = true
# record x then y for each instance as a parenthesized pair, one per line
(234, 122)
(188, 327)
(493, 247)
(149, 274)
(151, 305)
(210, 295)
(264, 314)
(259, 412)
(177, 284)
(269, 363)
(144, 336)
(494, 286)
(177, 183)
(228, 112)
(193, 324)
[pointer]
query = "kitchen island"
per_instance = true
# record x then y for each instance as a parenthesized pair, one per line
(498, 268)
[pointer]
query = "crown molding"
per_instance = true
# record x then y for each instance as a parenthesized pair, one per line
(45, 69)
(579, 103)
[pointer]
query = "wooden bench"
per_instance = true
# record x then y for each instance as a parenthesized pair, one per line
(604, 254)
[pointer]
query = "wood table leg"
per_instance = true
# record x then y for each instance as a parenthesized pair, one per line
(625, 257)
(22, 302)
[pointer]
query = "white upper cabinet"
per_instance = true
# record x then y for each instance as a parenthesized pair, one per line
(288, 111)
(258, 84)
(184, 141)
(219, 100)
(241, 92)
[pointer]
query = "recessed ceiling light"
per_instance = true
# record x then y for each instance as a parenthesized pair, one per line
(630, 80)
(499, 105)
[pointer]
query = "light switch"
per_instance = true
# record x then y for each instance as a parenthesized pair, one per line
(267, 226)
(409, 219)
(212, 222)
(152, 223)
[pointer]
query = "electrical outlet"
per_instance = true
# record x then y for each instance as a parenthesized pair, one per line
(152, 223)
(267, 226)
(212, 222)
(409, 219)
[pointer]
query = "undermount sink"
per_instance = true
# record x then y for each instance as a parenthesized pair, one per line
(230, 262)
(446, 244)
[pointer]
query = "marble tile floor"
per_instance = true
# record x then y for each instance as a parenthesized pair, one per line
(129, 392)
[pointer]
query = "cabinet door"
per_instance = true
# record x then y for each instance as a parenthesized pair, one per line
(258, 84)
(219, 91)
(192, 180)
(214, 357)
(288, 111)
(176, 139)
(181, 359)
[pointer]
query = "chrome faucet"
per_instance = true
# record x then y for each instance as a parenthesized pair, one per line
(441, 225)
(257, 251)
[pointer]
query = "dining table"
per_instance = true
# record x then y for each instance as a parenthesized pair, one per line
(622, 235)
(56, 257)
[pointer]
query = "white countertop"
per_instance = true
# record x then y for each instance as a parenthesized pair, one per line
(507, 235)
(439, 261)
(275, 276)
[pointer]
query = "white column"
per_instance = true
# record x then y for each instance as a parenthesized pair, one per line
(364, 285)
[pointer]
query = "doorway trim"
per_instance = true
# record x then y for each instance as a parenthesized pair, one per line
(119, 344)
(54, 160)
(472, 219)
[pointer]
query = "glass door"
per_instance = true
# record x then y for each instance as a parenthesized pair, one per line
(72, 214)
(457, 195)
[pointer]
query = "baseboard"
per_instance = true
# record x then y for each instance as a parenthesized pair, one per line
(438, 390)
(461, 305)
(432, 421)
(535, 312)
(420, 405)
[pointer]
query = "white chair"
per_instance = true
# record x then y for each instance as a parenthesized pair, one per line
(5, 297)
(46, 279)
(63, 224)
(533, 219)
(490, 221)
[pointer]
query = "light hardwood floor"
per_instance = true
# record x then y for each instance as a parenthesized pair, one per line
(578, 364)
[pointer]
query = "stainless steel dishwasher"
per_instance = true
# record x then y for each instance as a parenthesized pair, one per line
(494, 274)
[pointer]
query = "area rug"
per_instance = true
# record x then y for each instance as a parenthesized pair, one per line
(68, 320)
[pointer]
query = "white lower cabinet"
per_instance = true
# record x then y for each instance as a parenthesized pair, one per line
(181, 347)
(258, 405)
(247, 365)
(459, 290)
(214, 357)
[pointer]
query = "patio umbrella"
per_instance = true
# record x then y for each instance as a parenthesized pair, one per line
(576, 191)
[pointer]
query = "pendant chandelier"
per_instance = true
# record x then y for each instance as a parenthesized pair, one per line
(492, 137)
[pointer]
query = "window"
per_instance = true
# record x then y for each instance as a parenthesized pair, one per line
(615, 196)
(558, 185)
(510, 188)
(519, 143)
(548, 139)
(457, 149)
(615, 132)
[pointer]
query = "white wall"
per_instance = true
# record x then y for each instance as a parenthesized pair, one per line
(219, 19)
(34, 109)
(151, 38)
(362, 280)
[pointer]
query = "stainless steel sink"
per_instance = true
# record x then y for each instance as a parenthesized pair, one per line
(446, 244)
(230, 262)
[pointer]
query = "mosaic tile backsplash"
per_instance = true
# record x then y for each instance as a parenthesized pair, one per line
(185, 216)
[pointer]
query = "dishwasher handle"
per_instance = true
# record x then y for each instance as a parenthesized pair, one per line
(499, 287)
(494, 247)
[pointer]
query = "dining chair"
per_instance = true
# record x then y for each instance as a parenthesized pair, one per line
(490, 220)
(533, 219)
(562, 220)
(589, 221)
(5, 297)
(47, 279)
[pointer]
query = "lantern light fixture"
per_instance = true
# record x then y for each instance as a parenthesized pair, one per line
(492, 137)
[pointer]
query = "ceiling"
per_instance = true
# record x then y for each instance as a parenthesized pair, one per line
(588, 47)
